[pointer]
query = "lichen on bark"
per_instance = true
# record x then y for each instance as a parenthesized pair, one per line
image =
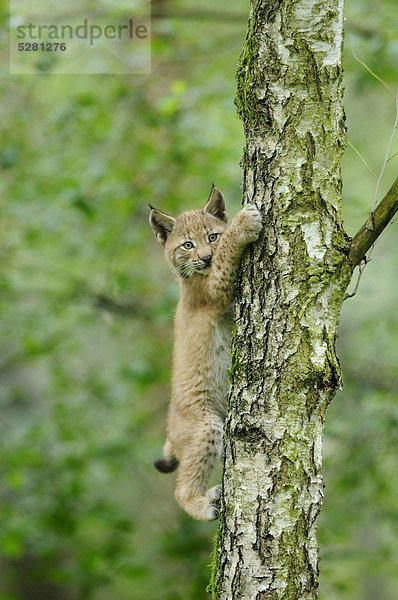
(285, 369)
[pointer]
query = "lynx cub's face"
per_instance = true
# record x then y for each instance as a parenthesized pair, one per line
(191, 239)
(191, 245)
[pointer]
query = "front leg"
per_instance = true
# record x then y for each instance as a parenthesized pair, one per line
(245, 228)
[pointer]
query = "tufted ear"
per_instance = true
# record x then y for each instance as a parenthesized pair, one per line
(216, 204)
(161, 224)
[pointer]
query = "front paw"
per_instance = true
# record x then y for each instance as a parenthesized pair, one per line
(250, 223)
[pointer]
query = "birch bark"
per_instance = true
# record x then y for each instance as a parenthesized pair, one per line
(285, 370)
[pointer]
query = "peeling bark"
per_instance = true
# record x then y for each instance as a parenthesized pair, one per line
(285, 370)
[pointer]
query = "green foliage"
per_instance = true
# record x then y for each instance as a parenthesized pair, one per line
(86, 309)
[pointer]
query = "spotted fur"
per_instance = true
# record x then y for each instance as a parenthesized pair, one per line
(205, 255)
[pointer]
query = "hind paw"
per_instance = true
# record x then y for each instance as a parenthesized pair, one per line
(205, 508)
(214, 495)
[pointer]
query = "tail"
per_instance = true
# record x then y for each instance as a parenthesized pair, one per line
(168, 463)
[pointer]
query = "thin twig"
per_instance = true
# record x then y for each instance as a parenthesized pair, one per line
(361, 157)
(374, 74)
(393, 156)
(362, 266)
(387, 151)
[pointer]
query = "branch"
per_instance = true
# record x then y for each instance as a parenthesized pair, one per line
(377, 221)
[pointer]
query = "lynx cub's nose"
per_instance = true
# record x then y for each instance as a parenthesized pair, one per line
(206, 259)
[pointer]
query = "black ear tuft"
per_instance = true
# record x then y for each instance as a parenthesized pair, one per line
(216, 204)
(161, 224)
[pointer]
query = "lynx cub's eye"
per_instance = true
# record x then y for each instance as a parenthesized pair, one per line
(188, 246)
(213, 237)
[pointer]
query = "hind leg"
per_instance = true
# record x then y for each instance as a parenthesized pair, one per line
(196, 465)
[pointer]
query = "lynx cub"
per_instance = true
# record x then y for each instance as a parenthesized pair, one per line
(205, 255)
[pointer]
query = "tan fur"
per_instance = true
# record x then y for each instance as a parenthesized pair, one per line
(201, 354)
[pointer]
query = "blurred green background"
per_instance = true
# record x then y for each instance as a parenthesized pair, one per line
(87, 305)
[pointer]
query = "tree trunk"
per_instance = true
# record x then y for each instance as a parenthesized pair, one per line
(285, 370)
(293, 282)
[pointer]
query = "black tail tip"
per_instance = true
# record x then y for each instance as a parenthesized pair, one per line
(165, 465)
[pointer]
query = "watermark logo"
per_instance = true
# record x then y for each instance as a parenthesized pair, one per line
(67, 39)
